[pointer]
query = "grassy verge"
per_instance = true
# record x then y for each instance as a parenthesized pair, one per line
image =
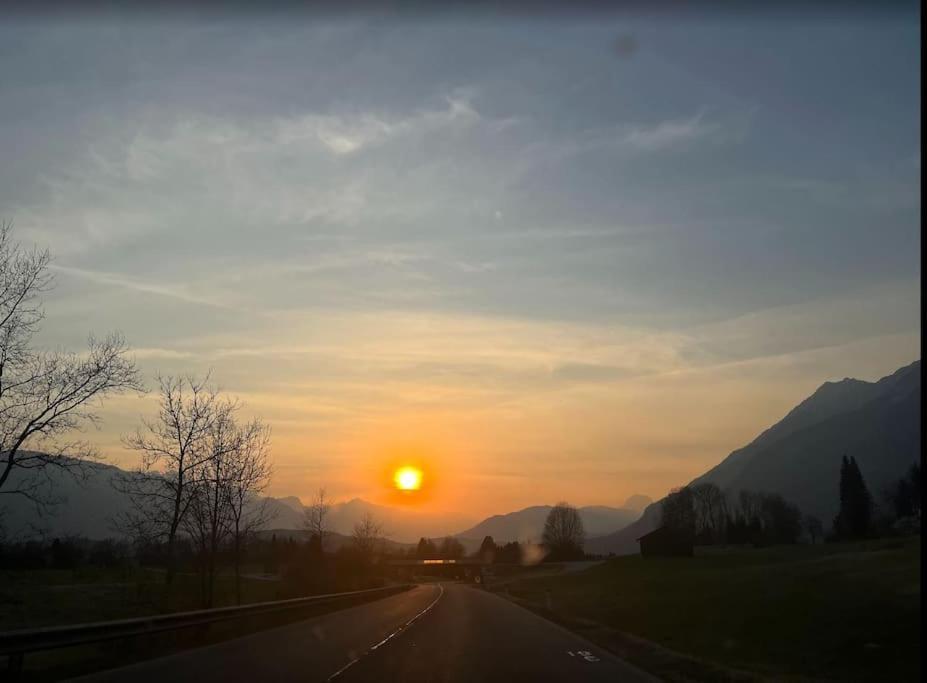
(30, 599)
(836, 611)
(66, 663)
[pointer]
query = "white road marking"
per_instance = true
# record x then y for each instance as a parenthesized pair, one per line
(585, 654)
(390, 636)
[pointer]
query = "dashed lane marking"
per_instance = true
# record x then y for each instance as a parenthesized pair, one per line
(389, 637)
(585, 654)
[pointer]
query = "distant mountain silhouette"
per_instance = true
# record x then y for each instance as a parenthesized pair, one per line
(799, 457)
(528, 524)
(87, 508)
(637, 502)
(333, 540)
(405, 525)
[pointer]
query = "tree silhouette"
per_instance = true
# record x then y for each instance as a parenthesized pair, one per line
(315, 514)
(47, 395)
(855, 515)
(710, 512)
(781, 521)
(814, 527)
(905, 495)
(451, 549)
(426, 549)
(366, 536)
(510, 553)
(563, 533)
(678, 510)
(487, 549)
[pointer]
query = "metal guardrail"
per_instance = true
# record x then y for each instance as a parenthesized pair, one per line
(15, 644)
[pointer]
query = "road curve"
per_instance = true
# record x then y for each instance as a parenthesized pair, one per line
(449, 632)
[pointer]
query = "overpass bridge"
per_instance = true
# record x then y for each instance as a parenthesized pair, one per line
(464, 569)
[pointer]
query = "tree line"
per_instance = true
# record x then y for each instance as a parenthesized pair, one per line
(706, 515)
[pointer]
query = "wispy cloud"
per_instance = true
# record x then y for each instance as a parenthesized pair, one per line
(665, 134)
(179, 293)
(350, 134)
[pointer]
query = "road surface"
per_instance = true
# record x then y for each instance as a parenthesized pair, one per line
(438, 632)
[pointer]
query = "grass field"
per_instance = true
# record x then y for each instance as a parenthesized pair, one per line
(54, 597)
(834, 611)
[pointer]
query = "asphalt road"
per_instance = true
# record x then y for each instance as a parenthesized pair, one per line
(448, 632)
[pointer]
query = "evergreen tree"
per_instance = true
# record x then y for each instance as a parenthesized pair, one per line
(451, 549)
(426, 549)
(855, 515)
(487, 549)
(862, 502)
(905, 495)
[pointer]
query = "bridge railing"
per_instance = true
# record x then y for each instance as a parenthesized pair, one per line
(15, 644)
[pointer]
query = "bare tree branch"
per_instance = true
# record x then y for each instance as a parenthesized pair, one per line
(46, 394)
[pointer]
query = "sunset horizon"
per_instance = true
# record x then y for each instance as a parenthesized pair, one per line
(440, 260)
(453, 343)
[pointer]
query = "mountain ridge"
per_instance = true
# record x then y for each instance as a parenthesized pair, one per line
(527, 524)
(878, 423)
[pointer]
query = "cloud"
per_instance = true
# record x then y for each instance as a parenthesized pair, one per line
(179, 293)
(670, 133)
(350, 134)
(146, 353)
(592, 372)
(818, 323)
(535, 271)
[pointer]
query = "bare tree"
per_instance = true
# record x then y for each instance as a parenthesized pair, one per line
(249, 474)
(209, 519)
(316, 512)
(366, 535)
(173, 447)
(814, 527)
(678, 511)
(710, 511)
(750, 504)
(46, 394)
(564, 534)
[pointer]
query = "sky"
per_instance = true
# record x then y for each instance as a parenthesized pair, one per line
(561, 258)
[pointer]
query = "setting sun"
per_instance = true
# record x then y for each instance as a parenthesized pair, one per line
(408, 479)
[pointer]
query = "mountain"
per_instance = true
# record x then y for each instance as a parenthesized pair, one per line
(878, 423)
(86, 509)
(333, 540)
(284, 513)
(528, 524)
(400, 524)
(637, 502)
(292, 502)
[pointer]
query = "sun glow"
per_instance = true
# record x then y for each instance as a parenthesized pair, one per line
(408, 479)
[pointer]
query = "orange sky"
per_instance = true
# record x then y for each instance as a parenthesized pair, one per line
(513, 435)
